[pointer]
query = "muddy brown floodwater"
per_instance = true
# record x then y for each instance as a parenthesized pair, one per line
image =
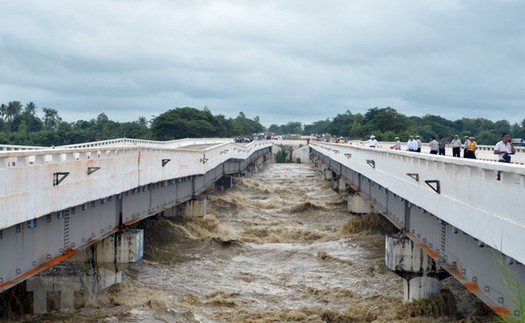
(279, 246)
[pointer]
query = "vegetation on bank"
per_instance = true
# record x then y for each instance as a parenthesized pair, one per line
(387, 123)
(20, 125)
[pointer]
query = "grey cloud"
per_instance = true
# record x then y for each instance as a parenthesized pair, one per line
(281, 60)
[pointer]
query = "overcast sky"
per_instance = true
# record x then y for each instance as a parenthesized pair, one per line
(281, 60)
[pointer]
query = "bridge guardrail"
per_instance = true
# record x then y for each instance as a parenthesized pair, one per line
(38, 182)
(470, 197)
(141, 142)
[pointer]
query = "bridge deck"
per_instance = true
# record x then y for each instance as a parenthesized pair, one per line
(465, 216)
(59, 200)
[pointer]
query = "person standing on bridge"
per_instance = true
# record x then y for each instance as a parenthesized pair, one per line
(470, 152)
(372, 142)
(434, 146)
(419, 144)
(411, 144)
(456, 146)
(397, 145)
(465, 146)
(504, 148)
(442, 145)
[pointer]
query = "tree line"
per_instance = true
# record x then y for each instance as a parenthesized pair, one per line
(387, 123)
(21, 125)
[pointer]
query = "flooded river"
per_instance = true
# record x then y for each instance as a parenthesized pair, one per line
(279, 246)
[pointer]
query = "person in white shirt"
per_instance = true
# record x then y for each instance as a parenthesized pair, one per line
(504, 148)
(372, 142)
(456, 146)
(434, 146)
(397, 146)
(412, 144)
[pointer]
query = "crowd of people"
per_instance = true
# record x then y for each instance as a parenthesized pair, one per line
(504, 148)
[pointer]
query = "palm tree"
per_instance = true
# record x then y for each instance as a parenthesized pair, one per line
(30, 109)
(13, 110)
(3, 110)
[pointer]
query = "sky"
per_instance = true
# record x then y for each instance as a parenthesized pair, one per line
(280, 60)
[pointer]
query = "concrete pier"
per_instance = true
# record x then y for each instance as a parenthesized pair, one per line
(225, 182)
(358, 205)
(87, 273)
(196, 208)
(421, 274)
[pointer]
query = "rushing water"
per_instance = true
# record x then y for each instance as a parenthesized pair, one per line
(279, 246)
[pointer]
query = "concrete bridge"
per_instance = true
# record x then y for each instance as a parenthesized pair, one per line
(56, 202)
(456, 216)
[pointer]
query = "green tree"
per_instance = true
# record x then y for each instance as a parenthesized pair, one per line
(318, 127)
(14, 108)
(293, 127)
(225, 126)
(245, 126)
(3, 110)
(502, 126)
(488, 137)
(386, 119)
(134, 130)
(341, 125)
(51, 119)
(440, 126)
(12, 111)
(358, 129)
(276, 129)
(143, 121)
(518, 130)
(182, 123)
(32, 121)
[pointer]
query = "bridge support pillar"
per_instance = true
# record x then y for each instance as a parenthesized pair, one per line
(121, 248)
(327, 174)
(257, 165)
(340, 185)
(420, 287)
(421, 273)
(358, 205)
(64, 286)
(224, 183)
(197, 208)
(87, 273)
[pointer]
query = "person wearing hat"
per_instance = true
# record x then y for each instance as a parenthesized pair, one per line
(456, 146)
(411, 144)
(397, 146)
(471, 148)
(372, 142)
(465, 144)
(419, 144)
